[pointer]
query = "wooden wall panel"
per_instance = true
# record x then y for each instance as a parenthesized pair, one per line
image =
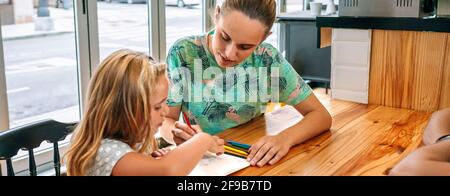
(376, 84)
(391, 68)
(428, 70)
(407, 70)
(445, 92)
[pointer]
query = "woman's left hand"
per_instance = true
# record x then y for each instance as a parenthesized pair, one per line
(269, 149)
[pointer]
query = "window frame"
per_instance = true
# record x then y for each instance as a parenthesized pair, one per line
(4, 114)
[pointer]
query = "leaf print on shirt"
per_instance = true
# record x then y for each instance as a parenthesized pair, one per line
(201, 53)
(267, 60)
(232, 115)
(216, 112)
(247, 111)
(279, 59)
(282, 84)
(177, 50)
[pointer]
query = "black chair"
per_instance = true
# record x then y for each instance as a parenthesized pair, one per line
(31, 136)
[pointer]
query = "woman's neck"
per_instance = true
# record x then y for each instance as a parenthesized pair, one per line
(209, 43)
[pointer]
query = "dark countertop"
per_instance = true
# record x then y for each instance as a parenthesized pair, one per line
(334, 21)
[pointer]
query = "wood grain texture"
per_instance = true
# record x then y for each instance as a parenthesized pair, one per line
(407, 69)
(364, 140)
(428, 65)
(445, 92)
(325, 37)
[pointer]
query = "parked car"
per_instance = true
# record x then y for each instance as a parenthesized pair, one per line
(183, 3)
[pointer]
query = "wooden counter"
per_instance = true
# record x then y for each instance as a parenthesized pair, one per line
(364, 140)
(410, 70)
(409, 59)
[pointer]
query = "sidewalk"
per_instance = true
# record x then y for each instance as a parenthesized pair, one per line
(63, 21)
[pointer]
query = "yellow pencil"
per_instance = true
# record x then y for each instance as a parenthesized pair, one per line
(235, 150)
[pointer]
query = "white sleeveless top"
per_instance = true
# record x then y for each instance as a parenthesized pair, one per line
(109, 153)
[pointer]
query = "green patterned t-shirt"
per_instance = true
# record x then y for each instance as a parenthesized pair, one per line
(217, 98)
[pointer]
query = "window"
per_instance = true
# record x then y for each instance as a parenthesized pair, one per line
(41, 64)
(183, 18)
(123, 24)
(39, 68)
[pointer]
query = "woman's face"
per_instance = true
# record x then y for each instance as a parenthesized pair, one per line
(236, 37)
(158, 103)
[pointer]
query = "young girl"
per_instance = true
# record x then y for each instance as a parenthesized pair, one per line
(126, 104)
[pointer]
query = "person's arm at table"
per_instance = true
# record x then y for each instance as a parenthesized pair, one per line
(438, 126)
(270, 149)
(433, 160)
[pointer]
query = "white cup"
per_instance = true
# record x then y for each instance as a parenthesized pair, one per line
(316, 8)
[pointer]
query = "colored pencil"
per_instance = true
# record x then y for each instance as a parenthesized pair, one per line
(235, 150)
(240, 145)
(229, 145)
(186, 119)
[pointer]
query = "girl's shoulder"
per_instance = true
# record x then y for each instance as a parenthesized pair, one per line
(114, 143)
(108, 154)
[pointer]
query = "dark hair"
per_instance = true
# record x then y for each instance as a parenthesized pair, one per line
(261, 10)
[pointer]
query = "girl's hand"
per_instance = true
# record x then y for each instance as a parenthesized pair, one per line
(182, 132)
(160, 153)
(217, 146)
(269, 149)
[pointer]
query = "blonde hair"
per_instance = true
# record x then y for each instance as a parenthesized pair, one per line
(118, 107)
(264, 11)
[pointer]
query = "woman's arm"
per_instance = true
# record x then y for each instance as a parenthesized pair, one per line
(271, 149)
(433, 160)
(178, 162)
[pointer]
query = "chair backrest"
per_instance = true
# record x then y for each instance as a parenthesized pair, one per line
(29, 137)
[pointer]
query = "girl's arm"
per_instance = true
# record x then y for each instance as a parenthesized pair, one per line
(178, 162)
(271, 149)
(174, 131)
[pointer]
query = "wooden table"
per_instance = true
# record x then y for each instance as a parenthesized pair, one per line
(364, 140)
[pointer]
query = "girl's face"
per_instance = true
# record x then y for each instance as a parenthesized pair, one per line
(236, 37)
(158, 103)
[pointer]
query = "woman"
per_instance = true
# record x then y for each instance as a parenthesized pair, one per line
(235, 54)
